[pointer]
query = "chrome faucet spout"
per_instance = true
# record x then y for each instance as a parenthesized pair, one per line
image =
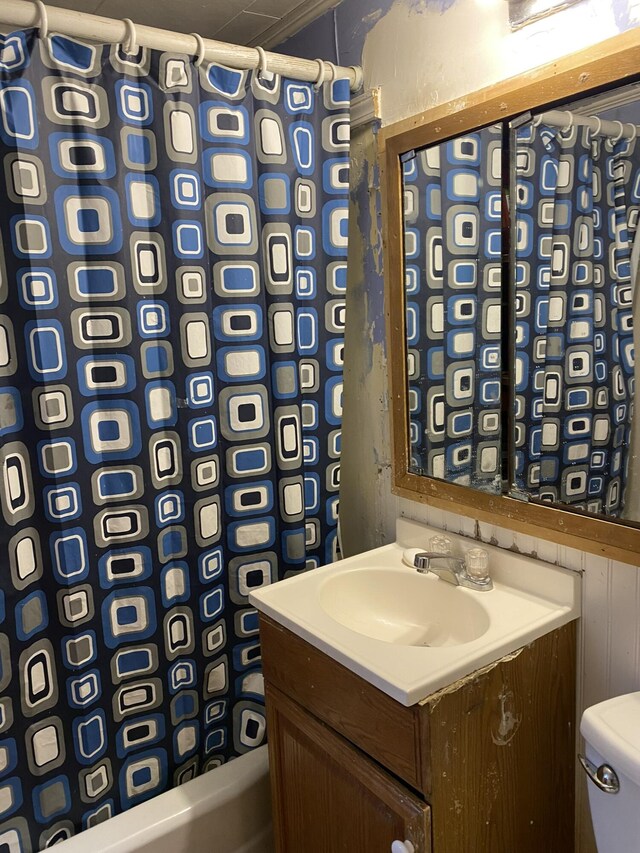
(453, 570)
(446, 567)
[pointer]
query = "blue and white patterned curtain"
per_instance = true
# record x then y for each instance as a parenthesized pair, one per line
(453, 285)
(577, 203)
(171, 346)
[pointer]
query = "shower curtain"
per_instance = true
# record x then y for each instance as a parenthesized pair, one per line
(172, 287)
(453, 287)
(577, 203)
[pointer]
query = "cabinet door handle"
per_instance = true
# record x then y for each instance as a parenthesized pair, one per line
(402, 847)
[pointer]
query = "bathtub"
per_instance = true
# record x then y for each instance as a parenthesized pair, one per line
(227, 810)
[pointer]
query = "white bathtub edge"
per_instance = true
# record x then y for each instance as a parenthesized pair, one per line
(144, 824)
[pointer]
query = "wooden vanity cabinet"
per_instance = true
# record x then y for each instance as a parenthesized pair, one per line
(483, 766)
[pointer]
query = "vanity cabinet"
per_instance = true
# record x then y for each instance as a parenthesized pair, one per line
(485, 765)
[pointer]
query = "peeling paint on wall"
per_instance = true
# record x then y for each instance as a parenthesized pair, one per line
(373, 262)
(627, 14)
(369, 20)
(366, 463)
(424, 52)
(430, 5)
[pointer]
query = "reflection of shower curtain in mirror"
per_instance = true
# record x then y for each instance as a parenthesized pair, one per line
(577, 202)
(452, 200)
(632, 490)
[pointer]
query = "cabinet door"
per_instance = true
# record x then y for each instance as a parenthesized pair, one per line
(329, 797)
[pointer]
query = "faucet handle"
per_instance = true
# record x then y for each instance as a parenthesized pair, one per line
(477, 564)
(440, 544)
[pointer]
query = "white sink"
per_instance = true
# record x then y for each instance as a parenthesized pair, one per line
(397, 606)
(412, 634)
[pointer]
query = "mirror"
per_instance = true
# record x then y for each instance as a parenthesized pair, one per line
(453, 258)
(511, 267)
(576, 247)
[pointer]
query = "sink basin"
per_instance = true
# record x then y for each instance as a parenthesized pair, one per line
(412, 634)
(404, 607)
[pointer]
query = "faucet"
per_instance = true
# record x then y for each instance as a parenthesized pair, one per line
(453, 570)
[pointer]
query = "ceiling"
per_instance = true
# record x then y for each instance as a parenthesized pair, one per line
(238, 21)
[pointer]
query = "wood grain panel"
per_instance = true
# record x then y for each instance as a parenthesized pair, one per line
(502, 753)
(384, 729)
(328, 796)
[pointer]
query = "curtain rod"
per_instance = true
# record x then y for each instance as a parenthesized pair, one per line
(565, 118)
(22, 13)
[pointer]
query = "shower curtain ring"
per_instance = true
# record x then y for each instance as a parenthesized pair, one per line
(130, 42)
(334, 70)
(42, 19)
(634, 133)
(537, 120)
(322, 73)
(571, 121)
(200, 57)
(263, 65)
(616, 139)
(598, 131)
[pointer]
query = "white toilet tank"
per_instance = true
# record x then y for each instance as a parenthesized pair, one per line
(611, 731)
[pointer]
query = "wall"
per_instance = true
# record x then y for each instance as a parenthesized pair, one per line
(426, 52)
(421, 53)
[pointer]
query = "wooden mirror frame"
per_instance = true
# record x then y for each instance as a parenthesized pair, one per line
(615, 61)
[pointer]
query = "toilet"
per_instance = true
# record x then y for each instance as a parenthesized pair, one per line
(611, 731)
